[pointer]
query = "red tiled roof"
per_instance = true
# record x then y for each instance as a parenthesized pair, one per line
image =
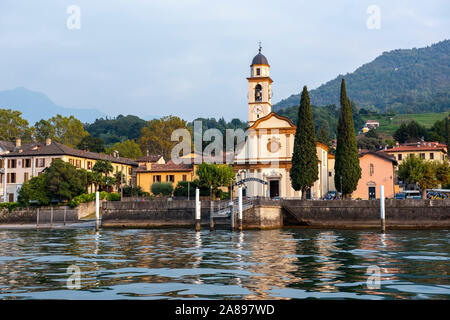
(150, 158)
(167, 167)
(56, 148)
(416, 148)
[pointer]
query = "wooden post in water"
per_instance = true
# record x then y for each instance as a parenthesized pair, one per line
(198, 208)
(211, 215)
(51, 217)
(240, 207)
(37, 218)
(382, 210)
(65, 211)
(97, 210)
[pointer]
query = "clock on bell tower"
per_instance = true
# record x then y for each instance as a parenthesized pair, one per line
(259, 88)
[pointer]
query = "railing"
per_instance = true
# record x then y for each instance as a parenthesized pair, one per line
(224, 211)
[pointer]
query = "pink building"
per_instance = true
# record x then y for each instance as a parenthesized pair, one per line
(377, 170)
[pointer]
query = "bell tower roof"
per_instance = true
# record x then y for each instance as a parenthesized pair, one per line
(259, 58)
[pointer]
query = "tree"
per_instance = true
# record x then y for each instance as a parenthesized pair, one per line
(323, 134)
(34, 191)
(214, 176)
(156, 136)
(127, 149)
(410, 132)
(64, 181)
(304, 171)
(346, 165)
(162, 188)
(103, 168)
(447, 134)
(91, 144)
(13, 126)
(66, 130)
(119, 177)
(416, 170)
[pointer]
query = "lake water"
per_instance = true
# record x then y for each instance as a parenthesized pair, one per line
(183, 264)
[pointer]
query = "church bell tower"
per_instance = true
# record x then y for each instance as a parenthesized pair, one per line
(259, 91)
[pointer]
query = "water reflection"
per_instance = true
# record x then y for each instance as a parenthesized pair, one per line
(181, 263)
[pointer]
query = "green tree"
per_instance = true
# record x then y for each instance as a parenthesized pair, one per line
(214, 176)
(416, 170)
(91, 144)
(64, 181)
(66, 130)
(156, 136)
(323, 134)
(34, 191)
(127, 149)
(103, 168)
(304, 171)
(447, 134)
(13, 126)
(346, 165)
(162, 188)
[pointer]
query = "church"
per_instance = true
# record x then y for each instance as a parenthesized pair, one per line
(262, 165)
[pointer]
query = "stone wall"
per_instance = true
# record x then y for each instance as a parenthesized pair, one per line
(366, 213)
(29, 215)
(155, 213)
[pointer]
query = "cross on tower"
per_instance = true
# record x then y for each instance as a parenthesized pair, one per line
(259, 43)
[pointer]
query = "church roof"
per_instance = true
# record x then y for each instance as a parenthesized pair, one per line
(259, 59)
(270, 115)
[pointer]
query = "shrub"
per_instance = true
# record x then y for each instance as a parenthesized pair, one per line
(88, 197)
(162, 188)
(9, 205)
(113, 196)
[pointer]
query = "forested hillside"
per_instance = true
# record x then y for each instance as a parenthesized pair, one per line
(404, 80)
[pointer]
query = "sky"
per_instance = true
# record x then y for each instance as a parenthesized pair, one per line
(190, 58)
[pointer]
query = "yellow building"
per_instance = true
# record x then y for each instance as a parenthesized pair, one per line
(164, 172)
(29, 160)
(432, 151)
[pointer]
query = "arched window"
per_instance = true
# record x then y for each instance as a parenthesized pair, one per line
(258, 93)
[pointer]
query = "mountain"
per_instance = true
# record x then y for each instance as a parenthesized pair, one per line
(36, 106)
(405, 80)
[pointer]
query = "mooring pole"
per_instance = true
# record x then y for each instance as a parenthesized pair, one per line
(51, 217)
(189, 191)
(240, 207)
(382, 210)
(37, 218)
(211, 213)
(65, 211)
(198, 207)
(97, 210)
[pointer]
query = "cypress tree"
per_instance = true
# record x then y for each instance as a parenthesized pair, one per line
(304, 171)
(347, 158)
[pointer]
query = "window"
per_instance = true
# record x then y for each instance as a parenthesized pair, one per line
(12, 163)
(422, 156)
(258, 93)
(129, 171)
(157, 178)
(40, 162)
(89, 165)
(78, 163)
(258, 71)
(26, 163)
(329, 173)
(25, 176)
(399, 157)
(184, 177)
(170, 178)
(117, 168)
(11, 178)
(371, 169)
(70, 161)
(431, 155)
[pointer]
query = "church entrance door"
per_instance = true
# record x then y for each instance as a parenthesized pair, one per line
(274, 187)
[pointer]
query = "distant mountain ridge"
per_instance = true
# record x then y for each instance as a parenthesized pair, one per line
(405, 80)
(36, 106)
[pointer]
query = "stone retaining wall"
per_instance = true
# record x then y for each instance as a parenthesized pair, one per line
(408, 213)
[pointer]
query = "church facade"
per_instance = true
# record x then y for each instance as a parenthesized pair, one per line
(266, 156)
